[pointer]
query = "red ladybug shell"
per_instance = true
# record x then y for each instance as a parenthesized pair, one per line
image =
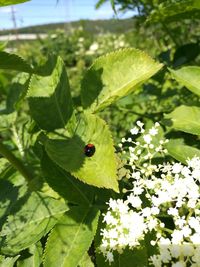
(89, 150)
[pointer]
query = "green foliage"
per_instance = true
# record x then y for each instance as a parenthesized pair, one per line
(185, 118)
(171, 10)
(28, 222)
(86, 261)
(100, 169)
(181, 152)
(189, 77)
(45, 128)
(11, 2)
(34, 258)
(14, 62)
(73, 236)
(50, 97)
(65, 184)
(115, 75)
(8, 261)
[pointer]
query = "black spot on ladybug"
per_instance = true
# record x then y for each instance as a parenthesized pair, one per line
(89, 150)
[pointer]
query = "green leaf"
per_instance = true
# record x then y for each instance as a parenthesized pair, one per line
(49, 98)
(85, 261)
(71, 238)
(31, 218)
(189, 77)
(173, 10)
(100, 169)
(99, 3)
(8, 262)
(34, 259)
(115, 75)
(184, 118)
(181, 152)
(65, 184)
(14, 62)
(11, 2)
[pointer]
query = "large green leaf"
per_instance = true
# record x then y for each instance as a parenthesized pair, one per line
(70, 188)
(14, 62)
(115, 75)
(100, 169)
(31, 218)
(189, 77)
(11, 2)
(49, 98)
(71, 238)
(181, 152)
(173, 10)
(185, 118)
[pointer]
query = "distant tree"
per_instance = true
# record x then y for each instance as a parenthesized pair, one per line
(143, 7)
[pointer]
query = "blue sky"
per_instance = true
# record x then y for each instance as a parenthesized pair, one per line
(47, 11)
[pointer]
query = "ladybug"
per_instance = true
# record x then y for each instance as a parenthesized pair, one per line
(89, 150)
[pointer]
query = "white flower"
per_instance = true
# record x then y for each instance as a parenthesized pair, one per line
(173, 211)
(177, 167)
(147, 138)
(188, 249)
(94, 47)
(195, 238)
(194, 223)
(186, 231)
(140, 124)
(152, 223)
(109, 256)
(108, 218)
(194, 162)
(180, 222)
(185, 171)
(134, 201)
(156, 260)
(134, 131)
(153, 131)
(177, 237)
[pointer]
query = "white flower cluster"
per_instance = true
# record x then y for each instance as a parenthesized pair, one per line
(171, 191)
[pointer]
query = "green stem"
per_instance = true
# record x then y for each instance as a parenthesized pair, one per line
(167, 230)
(16, 163)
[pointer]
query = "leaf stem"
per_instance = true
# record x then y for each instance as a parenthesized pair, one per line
(16, 163)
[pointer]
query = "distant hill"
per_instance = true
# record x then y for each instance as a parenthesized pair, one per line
(94, 26)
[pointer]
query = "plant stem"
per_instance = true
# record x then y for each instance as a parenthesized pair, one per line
(16, 163)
